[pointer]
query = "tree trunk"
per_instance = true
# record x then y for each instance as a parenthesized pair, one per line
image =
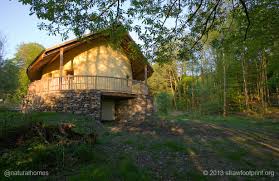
(245, 85)
(265, 80)
(263, 83)
(192, 86)
(225, 88)
(172, 90)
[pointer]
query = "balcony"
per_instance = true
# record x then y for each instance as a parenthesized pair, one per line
(88, 82)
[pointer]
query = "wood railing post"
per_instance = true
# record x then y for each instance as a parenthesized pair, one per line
(95, 82)
(86, 82)
(61, 67)
(68, 78)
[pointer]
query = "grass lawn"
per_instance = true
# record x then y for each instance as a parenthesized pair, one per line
(177, 147)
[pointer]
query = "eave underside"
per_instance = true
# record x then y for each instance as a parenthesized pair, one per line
(34, 71)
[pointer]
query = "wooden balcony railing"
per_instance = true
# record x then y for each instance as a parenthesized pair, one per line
(87, 82)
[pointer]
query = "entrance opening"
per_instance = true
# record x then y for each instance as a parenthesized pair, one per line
(108, 110)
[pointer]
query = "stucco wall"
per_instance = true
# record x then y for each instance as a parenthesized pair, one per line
(92, 59)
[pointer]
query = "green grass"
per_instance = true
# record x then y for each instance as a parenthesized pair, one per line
(63, 159)
(209, 142)
(10, 121)
(168, 144)
(125, 169)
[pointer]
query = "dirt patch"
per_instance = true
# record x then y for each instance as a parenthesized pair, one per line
(171, 128)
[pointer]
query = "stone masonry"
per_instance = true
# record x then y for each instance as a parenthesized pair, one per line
(137, 108)
(87, 102)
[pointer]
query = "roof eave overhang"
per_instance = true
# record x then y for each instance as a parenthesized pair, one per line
(71, 44)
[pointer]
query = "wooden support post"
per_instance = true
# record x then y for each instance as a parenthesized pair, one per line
(72, 65)
(47, 84)
(145, 74)
(61, 67)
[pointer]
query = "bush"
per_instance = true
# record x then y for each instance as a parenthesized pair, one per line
(163, 102)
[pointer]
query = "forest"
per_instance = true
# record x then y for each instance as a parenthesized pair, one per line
(221, 60)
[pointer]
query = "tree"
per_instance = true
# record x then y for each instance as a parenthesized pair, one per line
(2, 49)
(8, 79)
(8, 69)
(25, 54)
(155, 21)
(213, 56)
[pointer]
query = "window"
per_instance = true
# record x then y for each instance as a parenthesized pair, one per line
(69, 72)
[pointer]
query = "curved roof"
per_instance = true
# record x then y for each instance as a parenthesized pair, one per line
(138, 61)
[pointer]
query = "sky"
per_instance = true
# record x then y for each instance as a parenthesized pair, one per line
(17, 26)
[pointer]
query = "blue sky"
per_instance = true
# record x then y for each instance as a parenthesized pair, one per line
(18, 27)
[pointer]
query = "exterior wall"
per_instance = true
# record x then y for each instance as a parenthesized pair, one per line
(88, 103)
(77, 102)
(92, 59)
(134, 109)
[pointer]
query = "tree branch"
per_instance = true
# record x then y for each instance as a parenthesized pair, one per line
(206, 22)
(107, 8)
(191, 17)
(247, 16)
(168, 13)
(177, 16)
(117, 13)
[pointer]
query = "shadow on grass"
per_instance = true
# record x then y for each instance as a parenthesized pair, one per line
(203, 145)
(176, 149)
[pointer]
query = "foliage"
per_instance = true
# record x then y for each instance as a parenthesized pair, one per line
(155, 22)
(14, 69)
(211, 56)
(159, 81)
(8, 70)
(2, 49)
(24, 56)
(225, 73)
(163, 102)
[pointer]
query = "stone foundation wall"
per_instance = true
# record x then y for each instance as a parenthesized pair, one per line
(137, 108)
(87, 102)
(77, 102)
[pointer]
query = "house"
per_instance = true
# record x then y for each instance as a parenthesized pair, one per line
(91, 75)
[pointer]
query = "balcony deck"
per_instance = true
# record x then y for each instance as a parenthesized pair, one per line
(111, 86)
